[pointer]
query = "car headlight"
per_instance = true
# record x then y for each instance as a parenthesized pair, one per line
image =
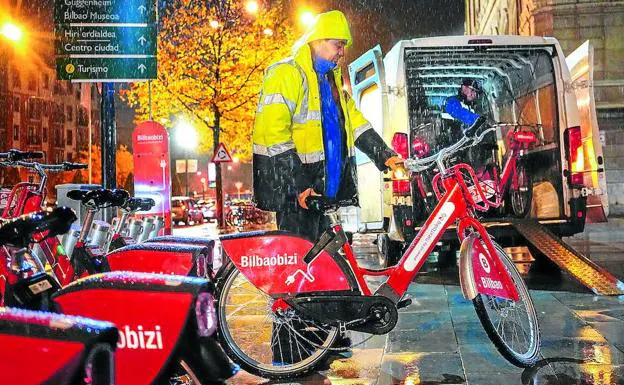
(205, 314)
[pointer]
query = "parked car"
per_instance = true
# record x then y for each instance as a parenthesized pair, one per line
(208, 209)
(186, 210)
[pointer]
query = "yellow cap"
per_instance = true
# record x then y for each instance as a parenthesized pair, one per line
(328, 25)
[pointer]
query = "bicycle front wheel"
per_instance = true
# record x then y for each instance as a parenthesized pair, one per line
(269, 344)
(511, 325)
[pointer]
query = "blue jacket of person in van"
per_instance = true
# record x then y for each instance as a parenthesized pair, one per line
(460, 111)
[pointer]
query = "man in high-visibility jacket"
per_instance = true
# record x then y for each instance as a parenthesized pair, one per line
(304, 140)
(307, 128)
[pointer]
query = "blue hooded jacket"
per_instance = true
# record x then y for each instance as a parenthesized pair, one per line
(453, 106)
(332, 131)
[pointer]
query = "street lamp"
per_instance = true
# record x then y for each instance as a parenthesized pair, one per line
(307, 18)
(252, 7)
(12, 32)
(186, 136)
(238, 186)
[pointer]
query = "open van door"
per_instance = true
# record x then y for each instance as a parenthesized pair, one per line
(581, 66)
(368, 85)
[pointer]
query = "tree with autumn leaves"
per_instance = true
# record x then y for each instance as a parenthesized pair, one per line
(211, 59)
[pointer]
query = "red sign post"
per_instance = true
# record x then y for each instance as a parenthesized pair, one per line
(152, 175)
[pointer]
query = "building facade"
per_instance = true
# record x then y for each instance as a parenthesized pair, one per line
(573, 22)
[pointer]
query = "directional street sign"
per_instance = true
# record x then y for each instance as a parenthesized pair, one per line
(105, 69)
(106, 40)
(105, 11)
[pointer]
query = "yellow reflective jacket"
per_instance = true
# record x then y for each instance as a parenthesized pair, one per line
(288, 153)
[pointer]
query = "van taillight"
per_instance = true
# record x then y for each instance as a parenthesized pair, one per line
(574, 146)
(400, 145)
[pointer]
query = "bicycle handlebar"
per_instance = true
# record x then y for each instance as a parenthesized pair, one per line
(418, 165)
(322, 204)
(14, 155)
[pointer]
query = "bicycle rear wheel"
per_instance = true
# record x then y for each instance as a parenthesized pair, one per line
(264, 343)
(521, 195)
(511, 325)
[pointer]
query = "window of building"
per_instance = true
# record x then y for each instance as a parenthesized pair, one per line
(70, 157)
(17, 78)
(16, 104)
(46, 81)
(83, 117)
(59, 156)
(16, 132)
(57, 88)
(32, 135)
(70, 113)
(45, 134)
(70, 137)
(32, 83)
(34, 108)
(58, 137)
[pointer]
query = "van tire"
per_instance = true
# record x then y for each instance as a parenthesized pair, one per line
(389, 250)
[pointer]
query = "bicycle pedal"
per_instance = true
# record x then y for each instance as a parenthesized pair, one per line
(404, 303)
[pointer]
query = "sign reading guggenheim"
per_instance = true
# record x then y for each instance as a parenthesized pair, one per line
(105, 40)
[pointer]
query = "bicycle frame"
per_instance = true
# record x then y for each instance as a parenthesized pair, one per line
(327, 273)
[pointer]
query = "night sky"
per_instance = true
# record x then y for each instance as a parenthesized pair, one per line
(385, 22)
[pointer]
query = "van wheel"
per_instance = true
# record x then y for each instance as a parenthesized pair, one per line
(389, 250)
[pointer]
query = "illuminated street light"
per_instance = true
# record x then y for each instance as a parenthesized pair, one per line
(268, 31)
(238, 186)
(186, 136)
(236, 159)
(307, 18)
(214, 24)
(12, 32)
(252, 7)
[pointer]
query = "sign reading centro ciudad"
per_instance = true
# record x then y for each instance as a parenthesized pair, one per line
(105, 40)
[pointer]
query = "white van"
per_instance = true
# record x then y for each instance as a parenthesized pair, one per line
(525, 80)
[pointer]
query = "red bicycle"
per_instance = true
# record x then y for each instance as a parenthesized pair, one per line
(282, 301)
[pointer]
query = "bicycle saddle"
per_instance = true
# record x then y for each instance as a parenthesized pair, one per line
(138, 204)
(100, 197)
(21, 230)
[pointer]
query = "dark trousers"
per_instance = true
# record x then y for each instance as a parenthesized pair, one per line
(306, 223)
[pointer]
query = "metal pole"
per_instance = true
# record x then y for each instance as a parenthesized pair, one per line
(108, 141)
(149, 95)
(186, 171)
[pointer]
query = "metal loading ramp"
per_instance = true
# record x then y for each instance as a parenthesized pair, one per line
(594, 277)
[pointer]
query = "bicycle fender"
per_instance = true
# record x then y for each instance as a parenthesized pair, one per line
(478, 273)
(273, 262)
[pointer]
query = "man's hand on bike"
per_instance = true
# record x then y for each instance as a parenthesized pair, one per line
(302, 197)
(396, 166)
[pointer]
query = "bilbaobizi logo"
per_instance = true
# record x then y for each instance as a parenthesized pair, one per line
(140, 338)
(276, 260)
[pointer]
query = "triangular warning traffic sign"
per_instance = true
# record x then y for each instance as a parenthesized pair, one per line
(222, 155)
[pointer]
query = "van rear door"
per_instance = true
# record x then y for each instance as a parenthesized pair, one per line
(581, 66)
(368, 85)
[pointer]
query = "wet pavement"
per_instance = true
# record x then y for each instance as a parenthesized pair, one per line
(439, 339)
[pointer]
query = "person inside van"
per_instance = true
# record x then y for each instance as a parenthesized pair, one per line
(459, 110)
(460, 107)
